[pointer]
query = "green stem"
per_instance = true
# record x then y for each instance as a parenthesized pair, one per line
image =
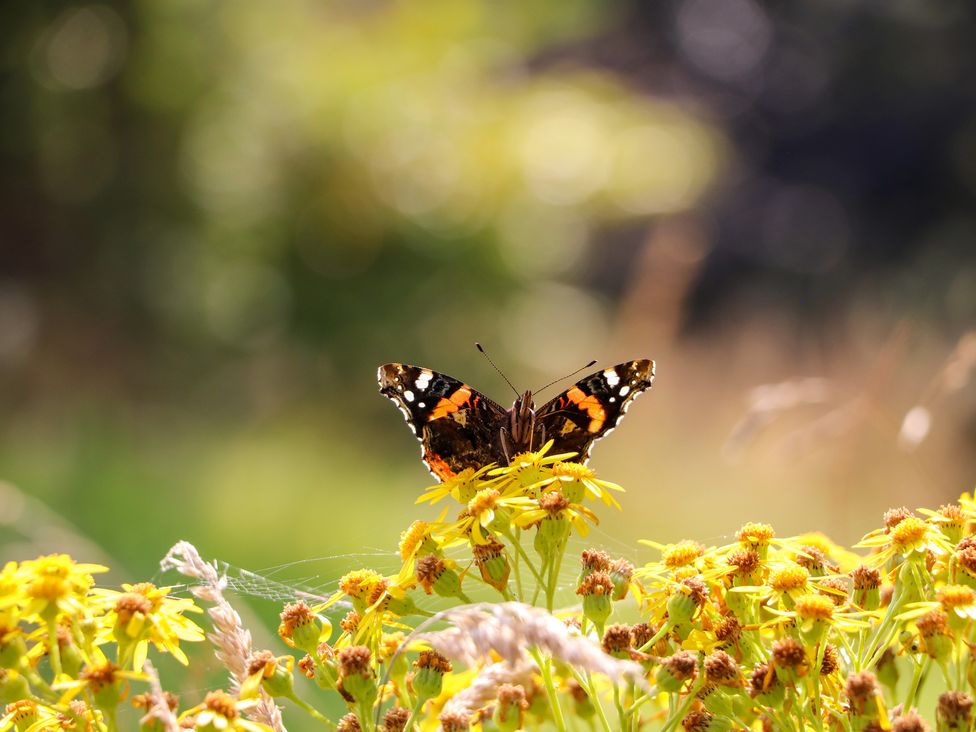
(920, 667)
(53, 650)
(366, 717)
(546, 670)
(414, 713)
(682, 709)
(587, 683)
(312, 711)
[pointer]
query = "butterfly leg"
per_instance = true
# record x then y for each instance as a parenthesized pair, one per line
(506, 443)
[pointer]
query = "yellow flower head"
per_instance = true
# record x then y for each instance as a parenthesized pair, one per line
(957, 599)
(460, 487)
(789, 578)
(681, 554)
(56, 583)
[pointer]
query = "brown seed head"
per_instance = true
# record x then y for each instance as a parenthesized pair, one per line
(594, 560)
(396, 719)
(833, 588)
(721, 668)
(865, 578)
(294, 615)
(263, 661)
(789, 653)
(349, 723)
(618, 639)
(728, 630)
(350, 622)
(862, 687)
(428, 569)
(307, 666)
(98, 677)
(956, 708)
(909, 722)
(355, 661)
(697, 721)
(933, 623)
(697, 590)
(966, 558)
(130, 603)
(553, 502)
(831, 661)
(454, 722)
(484, 552)
(222, 703)
(434, 660)
(622, 569)
(744, 561)
(598, 583)
(681, 665)
(894, 516)
(762, 679)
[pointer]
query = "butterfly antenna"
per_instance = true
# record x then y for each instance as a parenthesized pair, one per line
(556, 381)
(485, 354)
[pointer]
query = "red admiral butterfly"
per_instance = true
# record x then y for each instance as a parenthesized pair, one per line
(459, 427)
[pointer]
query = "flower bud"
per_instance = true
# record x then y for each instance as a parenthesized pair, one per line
(493, 564)
(866, 593)
(509, 714)
(428, 675)
(597, 590)
(274, 673)
(675, 671)
(621, 572)
(933, 629)
(436, 575)
(687, 599)
(301, 629)
(954, 712)
(356, 676)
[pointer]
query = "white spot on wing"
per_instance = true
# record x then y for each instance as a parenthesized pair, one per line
(612, 399)
(421, 405)
(611, 376)
(423, 381)
(624, 390)
(408, 395)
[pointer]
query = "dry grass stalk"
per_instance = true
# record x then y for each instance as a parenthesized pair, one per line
(159, 710)
(509, 629)
(231, 640)
(483, 688)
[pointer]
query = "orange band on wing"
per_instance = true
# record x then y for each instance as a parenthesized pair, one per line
(591, 405)
(438, 466)
(450, 404)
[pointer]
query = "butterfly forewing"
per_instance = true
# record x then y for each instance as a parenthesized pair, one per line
(457, 425)
(592, 407)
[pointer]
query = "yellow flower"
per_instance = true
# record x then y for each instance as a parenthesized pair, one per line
(528, 470)
(577, 482)
(56, 583)
(910, 537)
(461, 487)
(221, 711)
(552, 505)
(145, 614)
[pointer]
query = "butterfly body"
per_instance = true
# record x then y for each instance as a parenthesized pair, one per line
(459, 427)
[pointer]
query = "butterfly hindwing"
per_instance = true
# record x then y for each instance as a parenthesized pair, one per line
(592, 407)
(457, 425)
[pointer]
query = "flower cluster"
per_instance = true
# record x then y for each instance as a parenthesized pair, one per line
(765, 633)
(70, 652)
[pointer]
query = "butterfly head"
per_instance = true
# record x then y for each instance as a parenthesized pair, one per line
(521, 422)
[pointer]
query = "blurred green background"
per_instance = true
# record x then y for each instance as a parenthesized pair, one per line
(218, 218)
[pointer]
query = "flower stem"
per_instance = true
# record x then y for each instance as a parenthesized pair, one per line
(546, 670)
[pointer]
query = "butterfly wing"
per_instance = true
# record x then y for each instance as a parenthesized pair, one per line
(458, 427)
(592, 408)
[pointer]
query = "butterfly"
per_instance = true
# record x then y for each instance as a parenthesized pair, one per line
(459, 427)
